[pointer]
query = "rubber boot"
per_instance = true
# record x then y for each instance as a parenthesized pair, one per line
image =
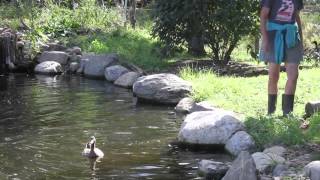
(287, 103)
(272, 101)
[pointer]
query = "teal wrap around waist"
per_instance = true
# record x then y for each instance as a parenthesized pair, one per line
(287, 31)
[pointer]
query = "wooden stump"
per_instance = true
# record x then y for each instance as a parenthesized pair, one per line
(7, 49)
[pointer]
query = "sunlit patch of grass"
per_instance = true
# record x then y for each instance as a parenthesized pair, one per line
(249, 95)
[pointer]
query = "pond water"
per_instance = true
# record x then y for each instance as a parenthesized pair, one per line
(46, 121)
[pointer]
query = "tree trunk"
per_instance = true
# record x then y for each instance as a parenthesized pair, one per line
(195, 42)
(132, 13)
(196, 45)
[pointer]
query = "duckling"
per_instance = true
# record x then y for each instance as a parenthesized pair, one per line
(91, 151)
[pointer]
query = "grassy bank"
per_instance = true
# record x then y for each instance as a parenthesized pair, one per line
(248, 96)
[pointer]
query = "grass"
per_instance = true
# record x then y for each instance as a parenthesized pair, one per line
(248, 96)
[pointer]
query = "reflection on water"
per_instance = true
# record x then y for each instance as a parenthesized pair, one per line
(46, 121)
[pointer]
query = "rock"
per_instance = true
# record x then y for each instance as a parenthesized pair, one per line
(82, 65)
(76, 51)
(212, 169)
(20, 44)
(133, 67)
(96, 64)
(57, 56)
(53, 47)
(312, 107)
(202, 106)
(278, 150)
(280, 170)
(75, 58)
(240, 141)
(209, 127)
(127, 80)
(243, 168)
(112, 73)
(161, 88)
(73, 67)
(48, 67)
(265, 162)
(312, 170)
(185, 105)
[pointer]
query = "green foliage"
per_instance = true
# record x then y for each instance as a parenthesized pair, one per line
(221, 23)
(135, 46)
(275, 130)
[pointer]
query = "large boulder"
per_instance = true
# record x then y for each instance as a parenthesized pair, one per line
(312, 170)
(57, 56)
(127, 80)
(48, 67)
(96, 64)
(243, 168)
(112, 73)
(240, 141)
(209, 127)
(161, 88)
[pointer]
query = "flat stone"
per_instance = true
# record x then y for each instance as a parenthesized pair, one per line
(279, 150)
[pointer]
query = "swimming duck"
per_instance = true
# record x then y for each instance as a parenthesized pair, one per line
(91, 151)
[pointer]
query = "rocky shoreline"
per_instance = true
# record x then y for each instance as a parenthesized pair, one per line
(203, 124)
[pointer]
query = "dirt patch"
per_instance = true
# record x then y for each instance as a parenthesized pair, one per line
(231, 69)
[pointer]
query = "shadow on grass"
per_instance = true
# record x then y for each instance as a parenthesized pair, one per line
(268, 131)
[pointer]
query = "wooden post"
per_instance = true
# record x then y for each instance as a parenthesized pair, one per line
(7, 50)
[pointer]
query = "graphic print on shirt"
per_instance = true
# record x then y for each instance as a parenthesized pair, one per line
(286, 10)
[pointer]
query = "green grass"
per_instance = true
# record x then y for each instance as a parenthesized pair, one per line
(248, 96)
(135, 46)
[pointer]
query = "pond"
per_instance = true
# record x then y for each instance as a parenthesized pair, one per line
(46, 121)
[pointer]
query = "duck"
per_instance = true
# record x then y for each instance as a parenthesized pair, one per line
(91, 151)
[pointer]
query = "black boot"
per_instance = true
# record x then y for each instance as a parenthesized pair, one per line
(272, 101)
(287, 103)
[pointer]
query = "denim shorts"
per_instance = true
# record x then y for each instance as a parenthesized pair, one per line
(291, 55)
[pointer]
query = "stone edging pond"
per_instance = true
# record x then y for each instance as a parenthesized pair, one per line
(204, 125)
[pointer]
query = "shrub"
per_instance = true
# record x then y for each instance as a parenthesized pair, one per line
(220, 23)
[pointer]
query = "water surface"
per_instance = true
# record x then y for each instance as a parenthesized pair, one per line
(46, 121)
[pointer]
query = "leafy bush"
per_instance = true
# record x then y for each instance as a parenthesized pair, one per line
(220, 23)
